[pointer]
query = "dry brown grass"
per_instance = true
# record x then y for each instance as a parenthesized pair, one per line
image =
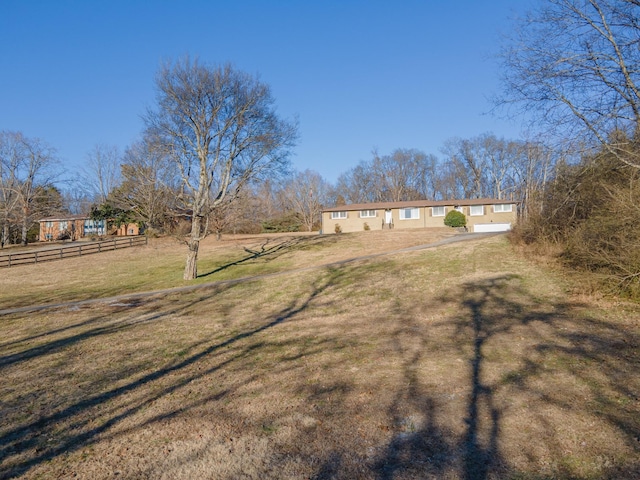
(462, 362)
(160, 264)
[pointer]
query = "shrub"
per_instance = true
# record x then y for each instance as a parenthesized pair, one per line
(366, 226)
(455, 219)
(589, 212)
(338, 228)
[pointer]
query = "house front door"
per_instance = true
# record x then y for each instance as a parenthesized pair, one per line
(388, 218)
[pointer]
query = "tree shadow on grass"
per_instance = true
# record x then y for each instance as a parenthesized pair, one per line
(430, 444)
(103, 327)
(488, 311)
(269, 249)
(435, 448)
(24, 445)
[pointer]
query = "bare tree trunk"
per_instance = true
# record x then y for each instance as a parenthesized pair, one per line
(191, 267)
(4, 237)
(25, 225)
(25, 232)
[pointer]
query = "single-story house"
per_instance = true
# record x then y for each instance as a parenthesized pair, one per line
(74, 227)
(482, 214)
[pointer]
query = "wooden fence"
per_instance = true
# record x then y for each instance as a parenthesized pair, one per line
(67, 251)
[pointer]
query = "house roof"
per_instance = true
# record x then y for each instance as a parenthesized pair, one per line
(417, 203)
(64, 218)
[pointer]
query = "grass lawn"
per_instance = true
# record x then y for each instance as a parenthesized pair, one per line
(464, 361)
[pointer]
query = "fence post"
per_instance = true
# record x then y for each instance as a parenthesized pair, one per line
(61, 250)
(9, 259)
(35, 256)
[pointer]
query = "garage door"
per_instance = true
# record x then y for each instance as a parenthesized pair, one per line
(492, 227)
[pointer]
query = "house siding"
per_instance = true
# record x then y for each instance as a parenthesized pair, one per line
(54, 229)
(127, 229)
(72, 228)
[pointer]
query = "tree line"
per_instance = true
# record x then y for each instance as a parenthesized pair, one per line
(142, 184)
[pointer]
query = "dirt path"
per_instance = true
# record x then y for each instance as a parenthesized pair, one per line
(188, 288)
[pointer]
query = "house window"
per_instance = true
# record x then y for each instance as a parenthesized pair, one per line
(458, 208)
(367, 213)
(93, 226)
(476, 210)
(48, 224)
(338, 215)
(437, 211)
(409, 213)
(63, 226)
(48, 236)
(503, 207)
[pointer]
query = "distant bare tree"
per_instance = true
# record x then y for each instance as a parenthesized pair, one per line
(220, 128)
(482, 166)
(306, 194)
(401, 175)
(10, 160)
(500, 158)
(77, 200)
(148, 184)
(532, 167)
(26, 167)
(102, 172)
(431, 178)
(357, 184)
(470, 166)
(405, 174)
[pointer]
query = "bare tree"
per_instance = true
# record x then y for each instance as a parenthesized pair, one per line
(532, 167)
(77, 200)
(447, 182)
(102, 172)
(431, 178)
(405, 174)
(500, 157)
(9, 183)
(574, 65)
(26, 168)
(220, 128)
(246, 214)
(306, 194)
(469, 164)
(357, 185)
(148, 184)
(401, 175)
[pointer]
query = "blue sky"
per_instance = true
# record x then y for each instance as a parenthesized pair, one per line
(359, 74)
